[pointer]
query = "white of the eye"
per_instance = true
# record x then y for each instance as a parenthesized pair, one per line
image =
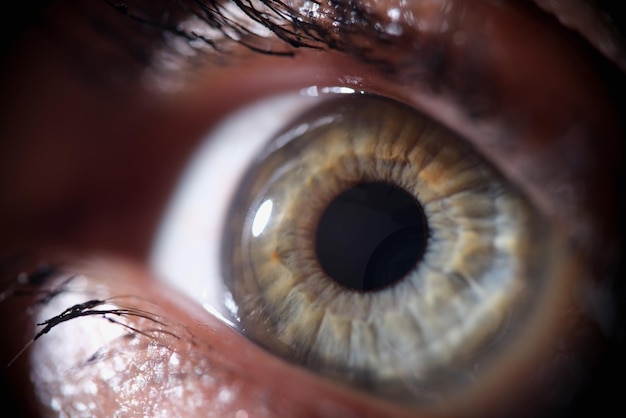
(186, 250)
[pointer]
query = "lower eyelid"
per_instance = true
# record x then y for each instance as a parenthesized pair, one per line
(176, 358)
(165, 358)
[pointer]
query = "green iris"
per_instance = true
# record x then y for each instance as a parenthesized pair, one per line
(414, 286)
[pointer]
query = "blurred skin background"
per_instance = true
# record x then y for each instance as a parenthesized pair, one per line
(103, 106)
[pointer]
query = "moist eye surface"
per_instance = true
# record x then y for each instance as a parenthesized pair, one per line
(372, 245)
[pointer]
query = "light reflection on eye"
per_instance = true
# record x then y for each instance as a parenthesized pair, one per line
(262, 217)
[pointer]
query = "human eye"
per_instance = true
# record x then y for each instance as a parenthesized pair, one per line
(90, 170)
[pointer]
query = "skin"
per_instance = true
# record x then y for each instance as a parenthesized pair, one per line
(87, 172)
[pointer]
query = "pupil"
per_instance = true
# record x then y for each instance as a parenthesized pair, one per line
(371, 236)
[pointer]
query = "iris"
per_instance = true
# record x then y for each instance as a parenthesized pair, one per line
(393, 251)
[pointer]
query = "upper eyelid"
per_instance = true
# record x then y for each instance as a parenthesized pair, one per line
(344, 27)
(189, 32)
(416, 54)
(410, 51)
(432, 59)
(219, 25)
(479, 100)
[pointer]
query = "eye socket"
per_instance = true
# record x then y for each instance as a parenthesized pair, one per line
(487, 253)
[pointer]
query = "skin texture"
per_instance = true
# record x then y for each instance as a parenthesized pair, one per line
(87, 168)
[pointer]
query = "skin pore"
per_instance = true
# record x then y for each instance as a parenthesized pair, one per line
(94, 136)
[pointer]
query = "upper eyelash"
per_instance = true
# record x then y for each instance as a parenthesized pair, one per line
(293, 28)
(124, 47)
(118, 42)
(342, 25)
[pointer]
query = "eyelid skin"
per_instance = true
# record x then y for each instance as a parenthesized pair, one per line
(162, 354)
(70, 178)
(164, 367)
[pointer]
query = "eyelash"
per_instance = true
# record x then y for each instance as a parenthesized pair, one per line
(224, 30)
(233, 23)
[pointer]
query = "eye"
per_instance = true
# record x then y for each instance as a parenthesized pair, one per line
(533, 173)
(361, 240)
(422, 334)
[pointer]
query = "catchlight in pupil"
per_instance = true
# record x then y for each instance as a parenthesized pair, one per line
(370, 236)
